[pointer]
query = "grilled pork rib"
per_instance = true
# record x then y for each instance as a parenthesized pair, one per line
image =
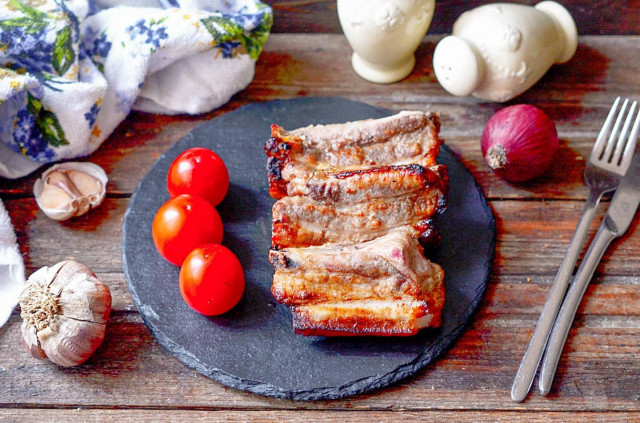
(388, 267)
(300, 221)
(355, 203)
(356, 186)
(293, 156)
(380, 287)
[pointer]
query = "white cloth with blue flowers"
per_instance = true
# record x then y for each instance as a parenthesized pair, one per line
(71, 70)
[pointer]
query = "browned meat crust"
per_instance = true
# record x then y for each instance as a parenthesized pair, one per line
(293, 156)
(301, 221)
(355, 203)
(357, 186)
(391, 267)
(381, 287)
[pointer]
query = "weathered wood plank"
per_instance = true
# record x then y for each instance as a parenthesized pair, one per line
(599, 371)
(159, 415)
(532, 237)
(576, 95)
(289, 67)
(569, 92)
(599, 17)
(93, 239)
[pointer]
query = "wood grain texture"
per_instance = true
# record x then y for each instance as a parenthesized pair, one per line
(603, 344)
(599, 372)
(576, 96)
(132, 378)
(592, 18)
(135, 416)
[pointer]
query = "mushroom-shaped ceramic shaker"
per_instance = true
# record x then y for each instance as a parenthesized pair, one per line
(498, 51)
(384, 34)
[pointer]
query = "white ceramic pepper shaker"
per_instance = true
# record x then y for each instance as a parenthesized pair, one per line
(498, 51)
(384, 35)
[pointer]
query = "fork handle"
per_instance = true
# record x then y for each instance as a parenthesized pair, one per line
(527, 370)
(563, 323)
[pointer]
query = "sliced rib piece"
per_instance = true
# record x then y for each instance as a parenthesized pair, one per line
(383, 287)
(302, 221)
(389, 268)
(356, 186)
(404, 138)
(367, 317)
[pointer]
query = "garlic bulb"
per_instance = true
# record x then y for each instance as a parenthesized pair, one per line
(70, 189)
(64, 310)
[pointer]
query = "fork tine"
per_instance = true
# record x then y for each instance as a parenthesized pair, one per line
(608, 151)
(622, 140)
(598, 146)
(631, 144)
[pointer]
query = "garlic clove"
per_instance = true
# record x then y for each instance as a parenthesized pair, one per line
(64, 309)
(54, 197)
(60, 179)
(70, 189)
(30, 341)
(71, 342)
(77, 203)
(86, 184)
(78, 299)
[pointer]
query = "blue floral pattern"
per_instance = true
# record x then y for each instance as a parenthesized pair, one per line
(229, 49)
(90, 116)
(152, 33)
(241, 32)
(28, 50)
(49, 55)
(94, 44)
(28, 139)
(124, 102)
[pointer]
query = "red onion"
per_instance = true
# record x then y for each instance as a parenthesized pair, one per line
(519, 142)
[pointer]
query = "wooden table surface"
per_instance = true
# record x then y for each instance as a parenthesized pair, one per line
(132, 378)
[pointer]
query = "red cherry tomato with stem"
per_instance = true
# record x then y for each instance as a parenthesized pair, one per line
(183, 223)
(211, 279)
(199, 171)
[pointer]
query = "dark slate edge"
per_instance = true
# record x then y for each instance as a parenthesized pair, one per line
(326, 393)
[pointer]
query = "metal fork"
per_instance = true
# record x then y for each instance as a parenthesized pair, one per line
(609, 159)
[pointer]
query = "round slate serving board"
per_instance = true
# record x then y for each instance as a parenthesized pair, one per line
(253, 347)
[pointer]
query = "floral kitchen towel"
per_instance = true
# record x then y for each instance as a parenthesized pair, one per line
(71, 70)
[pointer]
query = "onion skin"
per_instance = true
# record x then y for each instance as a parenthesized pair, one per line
(519, 142)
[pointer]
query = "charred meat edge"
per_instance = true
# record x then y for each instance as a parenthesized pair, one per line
(357, 186)
(284, 146)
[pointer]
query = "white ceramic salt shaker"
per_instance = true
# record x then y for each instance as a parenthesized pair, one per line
(384, 35)
(498, 51)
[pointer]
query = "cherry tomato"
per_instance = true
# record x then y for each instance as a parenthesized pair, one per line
(211, 279)
(199, 171)
(183, 223)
